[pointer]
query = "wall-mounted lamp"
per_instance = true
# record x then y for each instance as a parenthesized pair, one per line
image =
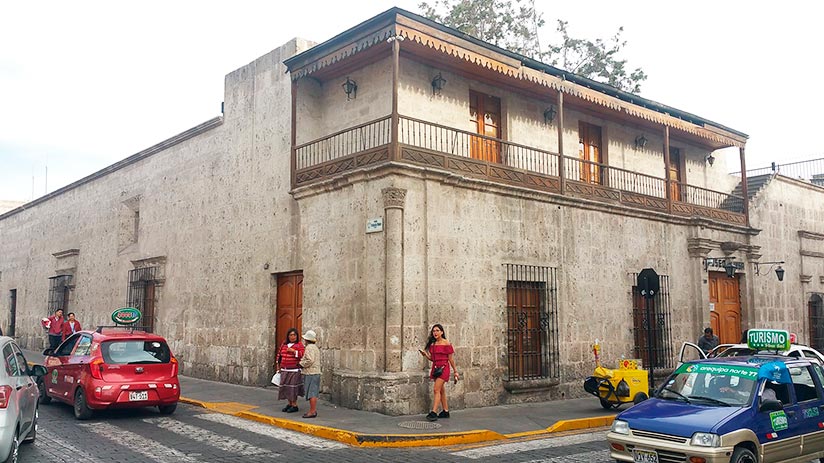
(350, 88)
(727, 263)
(710, 159)
(641, 141)
(779, 272)
(438, 83)
(549, 114)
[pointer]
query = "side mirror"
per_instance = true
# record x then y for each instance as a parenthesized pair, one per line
(38, 370)
(48, 352)
(770, 405)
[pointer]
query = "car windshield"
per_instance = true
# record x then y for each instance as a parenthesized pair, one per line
(711, 384)
(736, 352)
(135, 351)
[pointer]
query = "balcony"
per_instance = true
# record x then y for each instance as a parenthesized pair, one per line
(435, 146)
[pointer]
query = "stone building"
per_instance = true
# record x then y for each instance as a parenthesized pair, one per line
(403, 174)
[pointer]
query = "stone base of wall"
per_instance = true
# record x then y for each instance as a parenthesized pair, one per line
(388, 393)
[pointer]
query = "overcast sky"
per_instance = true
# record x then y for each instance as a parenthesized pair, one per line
(85, 84)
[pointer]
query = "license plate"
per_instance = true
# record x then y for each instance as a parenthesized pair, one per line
(644, 456)
(144, 395)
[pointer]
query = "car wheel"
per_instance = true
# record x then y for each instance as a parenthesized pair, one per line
(743, 455)
(81, 409)
(167, 409)
(44, 397)
(639, 397)
(15, 448)
(33, 433)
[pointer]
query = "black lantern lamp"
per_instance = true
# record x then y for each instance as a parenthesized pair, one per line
(438, 83)
(549, 114)
(641, 141)
(729, 268)
(350, 88)
(779, 271)
(710, 159)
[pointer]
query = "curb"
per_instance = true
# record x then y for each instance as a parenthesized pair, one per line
(357, 439)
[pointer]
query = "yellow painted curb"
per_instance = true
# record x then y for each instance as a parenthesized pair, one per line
(581, 423)
(392, 440)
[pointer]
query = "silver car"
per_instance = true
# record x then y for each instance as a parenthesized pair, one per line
(19, 399)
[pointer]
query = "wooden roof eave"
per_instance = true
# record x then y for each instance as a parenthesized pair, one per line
(443, 43)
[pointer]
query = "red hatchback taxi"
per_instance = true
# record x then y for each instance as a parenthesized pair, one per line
(116, 367)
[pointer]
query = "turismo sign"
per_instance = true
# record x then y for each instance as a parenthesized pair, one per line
(126, 316)
(768, 339)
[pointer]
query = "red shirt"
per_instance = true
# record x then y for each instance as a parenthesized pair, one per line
(290, 361)
(67, 328)
(56, 328)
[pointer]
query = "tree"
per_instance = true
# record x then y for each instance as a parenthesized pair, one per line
(515, 25)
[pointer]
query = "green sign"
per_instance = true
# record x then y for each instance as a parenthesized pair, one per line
(714, 369)
(126, 316)
(778, 420)
(768, 339)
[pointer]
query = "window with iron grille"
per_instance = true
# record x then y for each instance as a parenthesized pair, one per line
(658, 327)
(142, 286)
(532, 322)
(816, 307)
(59, 293)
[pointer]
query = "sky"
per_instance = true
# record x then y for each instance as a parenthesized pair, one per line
(86, 84)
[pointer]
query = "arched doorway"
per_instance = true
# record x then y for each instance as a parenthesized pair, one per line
(816, 311)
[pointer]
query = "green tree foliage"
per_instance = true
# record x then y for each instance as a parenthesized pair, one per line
(515, 25)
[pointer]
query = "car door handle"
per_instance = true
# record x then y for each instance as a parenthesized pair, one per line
(19, 387)
(790, 412)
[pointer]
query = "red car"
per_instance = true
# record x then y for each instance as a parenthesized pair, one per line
(112, 368)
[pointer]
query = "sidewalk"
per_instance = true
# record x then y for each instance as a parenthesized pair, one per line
(369, 429)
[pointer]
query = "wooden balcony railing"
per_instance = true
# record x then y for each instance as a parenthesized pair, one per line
(434, 145)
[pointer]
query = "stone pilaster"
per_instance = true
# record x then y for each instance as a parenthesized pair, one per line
(393, 203)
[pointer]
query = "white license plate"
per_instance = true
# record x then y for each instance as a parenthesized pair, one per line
(144, 395)
(644, 456)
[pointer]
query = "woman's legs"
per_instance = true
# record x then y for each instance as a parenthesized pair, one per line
(444, 405)
(437, 391)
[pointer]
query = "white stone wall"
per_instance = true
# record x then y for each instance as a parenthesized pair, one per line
(215, 206)
(782, 209)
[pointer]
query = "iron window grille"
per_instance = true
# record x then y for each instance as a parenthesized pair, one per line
(816, 310)
(141, 295)
(532, 322)
(662, 351)
(59, 287)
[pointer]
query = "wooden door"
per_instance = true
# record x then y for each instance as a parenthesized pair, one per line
(589, 151)
(725, 319)
(816, 314)
(523, 302)
(289, 312)
(149, 306)
(676, 174)
(485, 115)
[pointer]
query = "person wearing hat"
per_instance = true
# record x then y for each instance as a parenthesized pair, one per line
(310, 364)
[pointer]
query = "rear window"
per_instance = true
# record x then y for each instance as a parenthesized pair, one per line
(135, 351)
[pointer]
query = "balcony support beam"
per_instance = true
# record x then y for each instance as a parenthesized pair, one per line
(561, 165)
(744, 191)
(667, 168)
(293, 151)
(394, 148)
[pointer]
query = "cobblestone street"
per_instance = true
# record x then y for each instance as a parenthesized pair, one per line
(193, 435)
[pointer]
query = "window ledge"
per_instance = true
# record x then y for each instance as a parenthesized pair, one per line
(530, 385)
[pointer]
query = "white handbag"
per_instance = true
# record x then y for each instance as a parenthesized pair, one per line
(276, 379)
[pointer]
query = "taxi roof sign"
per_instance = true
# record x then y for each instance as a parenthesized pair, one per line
(768, 339)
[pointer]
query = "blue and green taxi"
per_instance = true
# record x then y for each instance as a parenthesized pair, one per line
(748, 409)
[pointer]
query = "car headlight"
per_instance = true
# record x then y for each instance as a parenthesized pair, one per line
(620, 427)
(705, 439)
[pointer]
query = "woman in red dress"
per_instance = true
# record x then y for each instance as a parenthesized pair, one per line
(439, 351)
